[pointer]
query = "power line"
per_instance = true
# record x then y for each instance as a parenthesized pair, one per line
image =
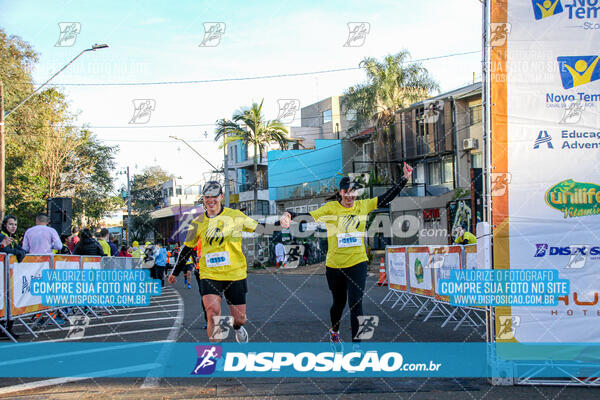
(248, 78)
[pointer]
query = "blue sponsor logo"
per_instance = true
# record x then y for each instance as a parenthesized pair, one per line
(578, 70)
(546, 8)
(543, 137)
(543, 249)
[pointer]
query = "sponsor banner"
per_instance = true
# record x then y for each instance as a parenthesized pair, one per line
(443, 260)
(396, 263)
(470, 256)
(270, 360)
(63, 261)
(2, 286)
(91, 262)
(21, 275)
(419, 272)
(112, 287)
(545, 108)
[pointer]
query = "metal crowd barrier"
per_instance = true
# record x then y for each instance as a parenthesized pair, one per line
(18, 305)
(413, 273)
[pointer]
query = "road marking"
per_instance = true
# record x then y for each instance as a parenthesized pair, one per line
(153, 377)
(60, 381)
(112, 323)
(136, 314)
(108, 334)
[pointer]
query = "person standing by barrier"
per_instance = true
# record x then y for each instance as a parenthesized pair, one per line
(464, 236)
(113, 247)
(160, 262)
(73, 240)
(346, 264)
(41, 239)
(279, 255)
(136, 252)
(103, 240)
(125, 252)
(88, 246)
(10, 245)
(223, 269)
(8, 241)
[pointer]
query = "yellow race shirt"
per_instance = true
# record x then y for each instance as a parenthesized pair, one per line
(221, 242)
(345, 231)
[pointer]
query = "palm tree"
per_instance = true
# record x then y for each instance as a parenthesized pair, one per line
(249, 126)
(392, 84)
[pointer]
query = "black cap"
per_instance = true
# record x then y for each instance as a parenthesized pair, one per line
(349, 183)
(212, 189)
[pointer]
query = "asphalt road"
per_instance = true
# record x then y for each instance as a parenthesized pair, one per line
(281, 308)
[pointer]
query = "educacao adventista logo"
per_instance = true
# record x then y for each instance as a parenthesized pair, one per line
(574, 199)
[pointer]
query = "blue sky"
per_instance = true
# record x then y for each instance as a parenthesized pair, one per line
(158, 41)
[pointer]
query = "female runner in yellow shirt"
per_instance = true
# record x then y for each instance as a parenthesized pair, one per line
(346, 261)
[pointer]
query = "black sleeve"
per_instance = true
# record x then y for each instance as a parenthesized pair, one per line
(385, 199)
(184, 255)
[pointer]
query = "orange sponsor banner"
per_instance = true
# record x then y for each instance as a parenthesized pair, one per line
(444, 259)
(90, 262)
(64, 261)
(420, 277)
(20, 276)
(396, 268)
(2, 285)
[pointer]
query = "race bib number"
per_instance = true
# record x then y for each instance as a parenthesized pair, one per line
(349, 239)
(219, 259)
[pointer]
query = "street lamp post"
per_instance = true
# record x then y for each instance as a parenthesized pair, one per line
(4, 115)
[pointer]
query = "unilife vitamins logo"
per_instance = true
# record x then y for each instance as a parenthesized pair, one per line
(574, 199)
(579, 70)
(546, 8)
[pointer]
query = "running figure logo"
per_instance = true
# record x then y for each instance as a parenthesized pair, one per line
(215, 234)
(287, 110)
(142, 110)
(579, 253)
(222, 326)
(212, 34)
(68, 33)
(498, 33)
(573, 113)
(506, 326)
(78, 325)
(207, 359)
(349, 221)
(357, 34)
(500, 181)
(366, 326)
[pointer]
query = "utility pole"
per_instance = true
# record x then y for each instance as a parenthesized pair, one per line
(2, 155)
(226, 173)
(128, 208)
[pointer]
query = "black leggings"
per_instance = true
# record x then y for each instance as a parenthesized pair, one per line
(347, 283)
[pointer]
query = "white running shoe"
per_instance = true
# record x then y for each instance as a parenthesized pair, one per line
(241, 336)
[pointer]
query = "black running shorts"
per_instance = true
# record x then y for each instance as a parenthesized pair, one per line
(234, 291)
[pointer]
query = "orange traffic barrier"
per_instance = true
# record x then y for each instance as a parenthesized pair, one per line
(382, 278)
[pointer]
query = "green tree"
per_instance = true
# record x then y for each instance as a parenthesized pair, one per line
(46, 155)
(146, 196)
(249, 126)
(391, 85)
